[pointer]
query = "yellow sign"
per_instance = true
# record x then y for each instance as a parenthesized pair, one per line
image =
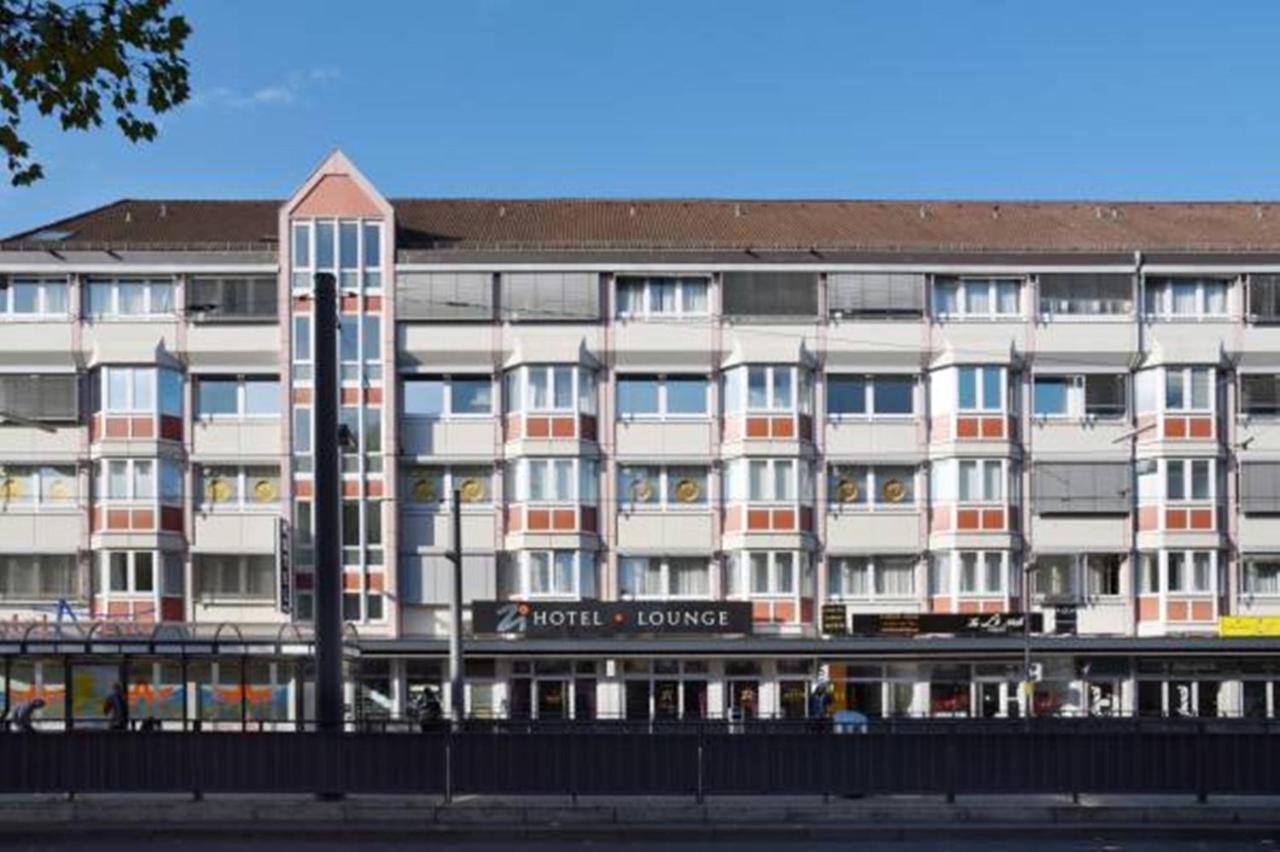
(1249, 625)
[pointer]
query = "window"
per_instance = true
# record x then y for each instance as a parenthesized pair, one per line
(639, 297)
(220, 577)
(129, 571)
(234, 487)
(1189, 571)
(129, 297)
(549, 296)
(553, 480)
(1185, 297)
(237, 396)
(132, 390)
(976, 298)
(981, 480)
(770, 572)
(982, 572)
(662, 396)
(1188, 389)
(544, 388)
(1264, 298)
(1103, 574)
(1049, 396)
(981, 388)
(1189, 479)
(39, 576)
(875, 295)
(433, 486)
(37, 487)
(768, 389)
(134, 480)
(28, 298)
(649, 486)
(1054, 577)
(453, 396)
(1085, 294)
(772, 479)
(1105, 395)
(49, 397)
(232, 299)
(872, 577)
(663, 577)
(879, 485)
(549, 574)
(1262, 576)
(874, 395)
(1260, 394)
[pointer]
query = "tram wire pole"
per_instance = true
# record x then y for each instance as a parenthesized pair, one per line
(457, 688)
(328, 532)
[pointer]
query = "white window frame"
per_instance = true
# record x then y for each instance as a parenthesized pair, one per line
(131, 575)
(242, 397)
(984, 589)
(242, 595)
(158, 496)
(520, 487)
(979, 406)
(9, 297)
(801, 390)
(775, 573)
(1161, 288)
(525, 565)
(451, 478)
(872, 568)
(365, 278)
(244, 482)
(1188, 468)
(664, 412)
(1189, 563)
(1188, 382)
(35, 475)
(446, 397)
(648, 284)
(36, 566)
(115, 284)
(1072, 397)
(1247, 565)
(661, 500)
(963, 284)
(582, 379)
(984, 465)
(869, 402)
(666, 578)
(870, 498)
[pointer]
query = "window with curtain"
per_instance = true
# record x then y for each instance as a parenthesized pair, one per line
(1262, 576)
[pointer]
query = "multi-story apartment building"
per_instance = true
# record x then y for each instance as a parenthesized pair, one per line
(713, 450)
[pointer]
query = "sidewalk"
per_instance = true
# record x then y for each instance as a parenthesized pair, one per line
(616, 818)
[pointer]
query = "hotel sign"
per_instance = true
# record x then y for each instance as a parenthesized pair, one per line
(1249, 625)
(923, 624)
(609, 618)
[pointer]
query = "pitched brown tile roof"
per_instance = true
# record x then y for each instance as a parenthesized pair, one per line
(693, 224)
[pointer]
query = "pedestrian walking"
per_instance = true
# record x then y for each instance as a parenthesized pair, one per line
(24, 714)
(116, 709)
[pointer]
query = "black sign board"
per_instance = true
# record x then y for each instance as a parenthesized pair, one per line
(1064, 619)
(610, 618)
(835, 619)
(918, 624)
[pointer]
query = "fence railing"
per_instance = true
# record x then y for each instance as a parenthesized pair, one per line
(937, 757)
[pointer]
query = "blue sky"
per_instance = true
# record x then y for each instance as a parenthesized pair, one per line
(894, 99)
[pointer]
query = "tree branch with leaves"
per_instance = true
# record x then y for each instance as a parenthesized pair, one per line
(120, 59)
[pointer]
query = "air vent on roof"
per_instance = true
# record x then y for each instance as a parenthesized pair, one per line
(51, 235)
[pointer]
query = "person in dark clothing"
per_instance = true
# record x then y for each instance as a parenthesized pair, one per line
(24, 714)
(116, 709)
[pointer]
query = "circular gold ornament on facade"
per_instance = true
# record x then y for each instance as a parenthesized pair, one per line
(894, 491)
(218, 490)
(471, 490)
(264, 490)
(424, 490)
(641, 491)
(688, 491)
(847, 491)
(59, 490)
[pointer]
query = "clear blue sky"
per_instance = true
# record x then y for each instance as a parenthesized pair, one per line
(901, 98)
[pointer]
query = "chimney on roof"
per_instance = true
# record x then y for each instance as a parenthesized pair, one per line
(924, 212)
(1258, 212)
(737, 210)
(128, 216)
(502, 210)
(995, 211)
(163, 210)
(631, 211)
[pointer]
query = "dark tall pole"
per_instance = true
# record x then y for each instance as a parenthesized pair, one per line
(328, 532)
(457, 693)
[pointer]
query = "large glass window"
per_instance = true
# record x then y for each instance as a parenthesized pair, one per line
(651, 486)
(1189, 479)
(877, 485)
(1185, 297)
(768, 388)
(553, 480)
(229, 577)
(653, 296)
(550, 574)
(662, 396)
(33, 487)
(976, 298)
(237, 396)
(1188, 388)
(981, 480)
(872, 577)
(438, 396)
(884, 395)
(664, 577)
(31, 298)
(982, 572)
(550, 388)
(1262, 576)
(981, 388)
(110, 298)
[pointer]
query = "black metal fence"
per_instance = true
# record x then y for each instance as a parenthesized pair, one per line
(937, 757)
